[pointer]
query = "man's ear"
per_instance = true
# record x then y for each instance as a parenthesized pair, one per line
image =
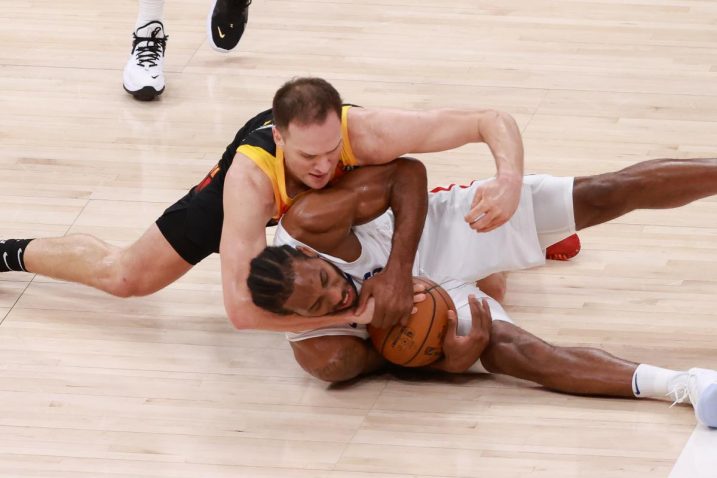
(307, 251)
(277, 136)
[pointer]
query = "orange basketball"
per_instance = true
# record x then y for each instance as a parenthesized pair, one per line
(421, 341)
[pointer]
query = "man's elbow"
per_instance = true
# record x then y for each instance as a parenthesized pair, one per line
(412, 166)
(503, 118)
(241, 317)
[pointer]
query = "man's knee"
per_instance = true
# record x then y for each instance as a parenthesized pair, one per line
(509, 343)
(332, 358)
(122, 280)
(597, 199)
(495, 285)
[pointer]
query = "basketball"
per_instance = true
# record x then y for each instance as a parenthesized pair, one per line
(420, 342)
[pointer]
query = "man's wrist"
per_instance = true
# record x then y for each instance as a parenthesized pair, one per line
(510, 176)
(399, 267)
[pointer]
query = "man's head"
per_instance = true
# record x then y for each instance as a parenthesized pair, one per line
(307, 126)
(286, 280)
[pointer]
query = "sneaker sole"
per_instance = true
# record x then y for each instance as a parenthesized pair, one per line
(145, 94)
(708, 414)
(209, 30)
(565, 249)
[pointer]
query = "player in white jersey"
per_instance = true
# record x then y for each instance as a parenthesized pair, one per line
(454, 255)
(350, 227)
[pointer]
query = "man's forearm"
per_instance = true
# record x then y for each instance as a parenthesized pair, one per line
(502, 135)
(250, 317)
(409, 202)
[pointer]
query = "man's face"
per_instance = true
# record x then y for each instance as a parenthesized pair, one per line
(311, 152)
(319, 289)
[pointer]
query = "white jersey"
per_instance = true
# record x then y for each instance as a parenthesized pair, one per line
(455, 256)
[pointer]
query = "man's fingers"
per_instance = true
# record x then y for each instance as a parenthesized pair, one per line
(419, 298)
(481, 223)
(481, 318)
(486, 317)
(477, 213)
(477, 197)
(367, 315)
(379, 317)
(363, 298)
(476, 311)
(494, 220)
(480, 311)
(452, 328)
(419, 287)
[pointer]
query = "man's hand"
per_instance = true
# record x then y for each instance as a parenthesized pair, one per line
(460, 352)
(494, 202)
(393, 295)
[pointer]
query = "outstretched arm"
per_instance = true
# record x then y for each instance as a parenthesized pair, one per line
(377, 136)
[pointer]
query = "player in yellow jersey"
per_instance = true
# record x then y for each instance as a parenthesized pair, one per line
(306, 140)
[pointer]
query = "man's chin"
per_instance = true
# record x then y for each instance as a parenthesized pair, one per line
(318, 183)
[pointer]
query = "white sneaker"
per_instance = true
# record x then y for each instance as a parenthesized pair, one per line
(701, 390)
(143, 77)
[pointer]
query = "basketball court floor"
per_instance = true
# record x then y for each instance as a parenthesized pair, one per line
(162, 386)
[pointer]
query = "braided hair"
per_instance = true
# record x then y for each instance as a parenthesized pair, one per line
(271, 277)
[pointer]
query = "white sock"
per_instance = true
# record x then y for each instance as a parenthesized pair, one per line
(655, 382)
(149, 10)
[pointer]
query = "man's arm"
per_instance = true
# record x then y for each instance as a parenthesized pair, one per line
(248, 205)
(323, 220)
(378, 136)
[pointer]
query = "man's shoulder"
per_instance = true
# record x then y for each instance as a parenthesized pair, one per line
(262, 138)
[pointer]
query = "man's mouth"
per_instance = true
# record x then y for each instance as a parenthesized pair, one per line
(346, 298)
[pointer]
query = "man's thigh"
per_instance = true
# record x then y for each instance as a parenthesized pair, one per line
(151, 262)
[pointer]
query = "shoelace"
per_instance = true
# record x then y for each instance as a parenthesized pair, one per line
(682, 392)
(148, 54)
(679, 394)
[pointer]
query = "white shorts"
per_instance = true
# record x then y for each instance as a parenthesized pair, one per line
(455, 256)
(450, 250)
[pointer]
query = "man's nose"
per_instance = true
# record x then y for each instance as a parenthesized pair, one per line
(323, 165)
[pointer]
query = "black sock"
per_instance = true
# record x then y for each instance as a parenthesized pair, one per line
(12, 252)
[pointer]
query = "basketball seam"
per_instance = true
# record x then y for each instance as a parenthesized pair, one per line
(428, 331)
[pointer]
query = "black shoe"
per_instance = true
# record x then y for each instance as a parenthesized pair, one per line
(226, 23)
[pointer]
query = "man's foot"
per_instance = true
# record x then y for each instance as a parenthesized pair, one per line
(700, 387)
(564, 250)
(226, 23)
(143, 77)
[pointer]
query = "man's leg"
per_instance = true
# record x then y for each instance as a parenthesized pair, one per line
(589, 371)
(336, 358)
(143, 75)
(579, 370)
(145, 267)
(656, 184)
(226, 23)
(495, 285)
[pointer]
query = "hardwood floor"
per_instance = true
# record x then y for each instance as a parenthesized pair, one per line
(162, 386)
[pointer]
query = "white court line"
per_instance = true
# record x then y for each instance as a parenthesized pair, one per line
(699, 457)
